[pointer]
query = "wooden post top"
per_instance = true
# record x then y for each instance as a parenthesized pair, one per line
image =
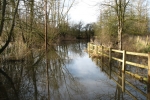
(148, 87)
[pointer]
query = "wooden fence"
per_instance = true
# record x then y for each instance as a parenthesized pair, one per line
(98, 50)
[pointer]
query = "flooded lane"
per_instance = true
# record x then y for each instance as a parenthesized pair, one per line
(94, 81)
(71, 75)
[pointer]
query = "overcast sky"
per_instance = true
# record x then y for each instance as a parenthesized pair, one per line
(85, 11)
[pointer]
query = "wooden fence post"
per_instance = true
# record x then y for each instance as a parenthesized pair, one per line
(95, 50)
(123, 70)
(148, 87)
(110, 62)
(92, 47)
(98, 50)
(88, 47)
(102, 57)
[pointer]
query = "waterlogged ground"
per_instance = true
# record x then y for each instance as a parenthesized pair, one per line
(67, 74)
(94, 82)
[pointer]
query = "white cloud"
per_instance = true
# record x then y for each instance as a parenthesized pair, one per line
(85, 10)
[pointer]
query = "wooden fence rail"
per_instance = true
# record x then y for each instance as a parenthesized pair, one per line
(98, 50)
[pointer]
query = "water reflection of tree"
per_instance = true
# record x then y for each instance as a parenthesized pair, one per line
(8, 79)
(29, 77)
(76, 48)
(60, 76)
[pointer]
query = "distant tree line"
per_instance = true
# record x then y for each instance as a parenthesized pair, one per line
(77, 30)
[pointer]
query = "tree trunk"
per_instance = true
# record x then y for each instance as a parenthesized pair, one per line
(3, 16)
(11, 29)
(119, 38)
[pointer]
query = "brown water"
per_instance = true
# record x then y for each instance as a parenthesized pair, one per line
(71, 75)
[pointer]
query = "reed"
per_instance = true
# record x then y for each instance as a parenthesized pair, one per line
(15, 51)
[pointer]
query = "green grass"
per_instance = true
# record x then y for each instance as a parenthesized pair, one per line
(146, 49)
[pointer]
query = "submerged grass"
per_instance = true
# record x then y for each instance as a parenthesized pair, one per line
(15, 51)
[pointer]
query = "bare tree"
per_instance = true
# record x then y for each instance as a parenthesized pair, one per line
(11, 28)
(120, 9)
(3, 16)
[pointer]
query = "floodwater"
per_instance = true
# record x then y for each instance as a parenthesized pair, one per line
(68, 73)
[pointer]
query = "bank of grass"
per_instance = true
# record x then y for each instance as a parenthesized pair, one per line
(146, 49)
(142, 44)
(131, 43)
